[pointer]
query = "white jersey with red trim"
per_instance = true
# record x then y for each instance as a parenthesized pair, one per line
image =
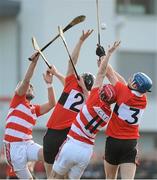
(20, 120)
(92, 118)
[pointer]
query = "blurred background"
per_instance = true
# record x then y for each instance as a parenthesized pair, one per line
(134, 22)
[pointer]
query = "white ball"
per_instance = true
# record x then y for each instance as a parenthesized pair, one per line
(103, 26)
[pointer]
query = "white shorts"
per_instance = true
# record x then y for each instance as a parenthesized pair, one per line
(19, 153)
(73, 158)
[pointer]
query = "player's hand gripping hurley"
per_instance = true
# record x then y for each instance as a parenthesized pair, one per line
(37, 48)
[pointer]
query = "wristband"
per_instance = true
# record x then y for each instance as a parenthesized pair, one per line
(49, 85)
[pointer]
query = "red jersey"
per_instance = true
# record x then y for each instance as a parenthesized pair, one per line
(20, 119)
(68, 106)
(10, 172)
(124, 123)
(93, 116)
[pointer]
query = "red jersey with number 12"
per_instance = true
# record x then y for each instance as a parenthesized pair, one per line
(124, 123)
(68, 106)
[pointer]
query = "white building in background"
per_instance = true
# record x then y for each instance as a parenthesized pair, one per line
(134, 22)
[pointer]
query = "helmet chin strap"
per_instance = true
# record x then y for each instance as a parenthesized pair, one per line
(132, 88)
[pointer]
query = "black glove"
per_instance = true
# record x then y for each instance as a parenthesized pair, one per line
(100, 51)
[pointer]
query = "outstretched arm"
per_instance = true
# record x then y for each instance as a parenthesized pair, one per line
(114, 76)
(24, 84)
(76, 51)
(111, 74)
(56, 73)
(83, 86)
(51, 95)
(103, 66)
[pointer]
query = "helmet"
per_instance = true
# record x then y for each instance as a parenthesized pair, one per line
(142, 81)
(107, 93)
(88, 80)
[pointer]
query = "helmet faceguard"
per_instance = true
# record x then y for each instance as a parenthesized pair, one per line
(107, 94)
(142, 81)
(88, 80)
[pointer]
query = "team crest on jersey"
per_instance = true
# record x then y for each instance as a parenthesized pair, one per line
(101, 113)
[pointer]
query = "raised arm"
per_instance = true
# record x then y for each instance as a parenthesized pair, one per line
(24, 84)
(56, 73)
(83, 86)
(51, 95)
(76, 51)
(103, 66)
(114, 76)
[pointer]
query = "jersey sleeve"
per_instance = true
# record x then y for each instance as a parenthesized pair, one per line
(17, 100)
(37, 109)
(121, 92)
(69, 78)
(93, 93)
(119, 87)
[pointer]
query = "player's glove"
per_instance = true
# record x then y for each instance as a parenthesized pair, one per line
(100, 51)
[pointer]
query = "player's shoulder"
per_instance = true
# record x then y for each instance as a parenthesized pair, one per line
(137, 100)
(16, 99)
(120, 85)
(70, 78)
(70, 82)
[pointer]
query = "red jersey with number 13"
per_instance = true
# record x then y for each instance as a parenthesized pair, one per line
(124, 123)
(68, 106)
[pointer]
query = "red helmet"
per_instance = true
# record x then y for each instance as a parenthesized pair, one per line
(107, 93)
